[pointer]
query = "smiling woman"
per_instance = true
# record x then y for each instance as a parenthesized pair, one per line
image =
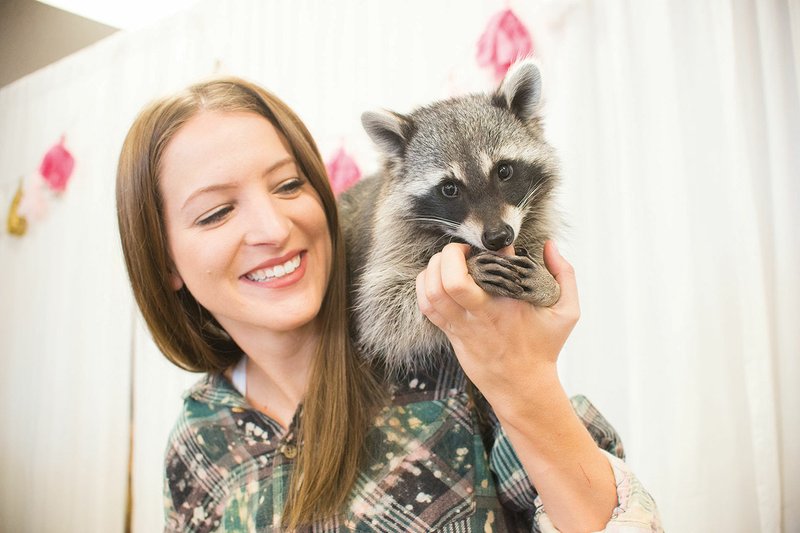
(231, 240)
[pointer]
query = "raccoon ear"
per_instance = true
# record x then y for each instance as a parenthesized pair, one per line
(521, 89)
(390, 131)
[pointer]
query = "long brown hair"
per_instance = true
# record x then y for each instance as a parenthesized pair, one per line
(342, 392)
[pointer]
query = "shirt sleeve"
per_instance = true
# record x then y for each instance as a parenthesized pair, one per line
(636, 511)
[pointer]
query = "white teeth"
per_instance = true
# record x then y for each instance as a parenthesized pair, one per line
(278, 271)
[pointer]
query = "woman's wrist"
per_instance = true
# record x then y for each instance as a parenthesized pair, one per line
(532, 404)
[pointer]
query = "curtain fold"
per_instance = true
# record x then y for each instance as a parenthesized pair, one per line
(677, 125)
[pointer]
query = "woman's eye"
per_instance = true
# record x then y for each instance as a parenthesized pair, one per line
(291, 186)
(505, 171)
(450, 189)
(215, 216)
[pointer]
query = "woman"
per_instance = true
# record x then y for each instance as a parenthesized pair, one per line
(232, 245)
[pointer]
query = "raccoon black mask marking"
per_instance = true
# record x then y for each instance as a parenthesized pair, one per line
(473, 169)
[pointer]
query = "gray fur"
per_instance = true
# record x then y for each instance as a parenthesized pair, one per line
(390, 235)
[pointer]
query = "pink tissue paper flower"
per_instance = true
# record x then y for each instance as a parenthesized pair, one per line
(57, 166)
(343, 171)
(503, 42)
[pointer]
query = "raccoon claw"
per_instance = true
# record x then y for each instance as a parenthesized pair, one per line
(514, 276)
(497, 274)
(519, 265)
(509, 290)
(500, 273)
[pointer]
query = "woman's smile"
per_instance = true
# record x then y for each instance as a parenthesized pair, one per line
(278, 273)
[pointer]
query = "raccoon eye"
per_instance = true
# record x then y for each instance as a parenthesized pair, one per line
(450, 189)
(504, 171)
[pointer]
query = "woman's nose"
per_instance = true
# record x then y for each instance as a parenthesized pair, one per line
(265, 222)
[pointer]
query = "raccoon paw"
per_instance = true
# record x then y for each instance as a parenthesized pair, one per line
(499, 274)
(514, 277)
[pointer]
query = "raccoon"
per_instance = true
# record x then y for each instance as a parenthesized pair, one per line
(474, 169)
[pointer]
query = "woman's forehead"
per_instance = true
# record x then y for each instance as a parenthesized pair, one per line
(217, 147)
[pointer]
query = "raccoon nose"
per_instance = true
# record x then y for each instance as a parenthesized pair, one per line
(496, 238)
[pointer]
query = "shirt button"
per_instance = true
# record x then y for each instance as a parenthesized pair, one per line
(289, 451)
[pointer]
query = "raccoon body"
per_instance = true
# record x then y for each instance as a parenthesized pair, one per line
(473, 169)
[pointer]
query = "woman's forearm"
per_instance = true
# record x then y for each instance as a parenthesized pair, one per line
(570, 473)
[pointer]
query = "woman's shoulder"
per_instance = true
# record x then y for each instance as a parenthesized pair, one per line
(195, 463)
(211, 392)
(206, 409)
(214, 413)
(216, 420)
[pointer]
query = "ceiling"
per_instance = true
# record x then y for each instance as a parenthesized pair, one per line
(33, 35)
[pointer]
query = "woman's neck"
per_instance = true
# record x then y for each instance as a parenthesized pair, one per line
(278, 370)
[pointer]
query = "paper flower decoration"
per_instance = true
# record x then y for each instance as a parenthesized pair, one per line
(503, 42)
(16, 223)
(56, 167)
(343, 171)
(33, 204)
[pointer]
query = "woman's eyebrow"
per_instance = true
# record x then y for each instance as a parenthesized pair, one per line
(210, 188)
(231, 185)
(279, 164)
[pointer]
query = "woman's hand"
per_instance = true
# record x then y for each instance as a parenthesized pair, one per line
(509, 349)
(504, 345)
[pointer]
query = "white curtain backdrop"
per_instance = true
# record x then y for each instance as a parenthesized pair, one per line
(678, 125)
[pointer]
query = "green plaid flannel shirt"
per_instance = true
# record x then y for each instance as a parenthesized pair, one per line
(228, 467)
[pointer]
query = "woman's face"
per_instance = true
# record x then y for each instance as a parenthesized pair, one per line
(247, 232)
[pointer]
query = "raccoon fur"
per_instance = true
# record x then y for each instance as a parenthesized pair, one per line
(474, 169)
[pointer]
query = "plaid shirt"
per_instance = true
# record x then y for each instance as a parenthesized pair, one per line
(228, 467)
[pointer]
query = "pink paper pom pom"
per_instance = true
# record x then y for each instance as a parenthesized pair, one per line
(343, 171)
(503, 42)
(56, 167)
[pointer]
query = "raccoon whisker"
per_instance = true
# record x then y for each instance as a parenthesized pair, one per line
(530, 196)
(422, 255)
(524, 202)
(435, 220)
(436, 247)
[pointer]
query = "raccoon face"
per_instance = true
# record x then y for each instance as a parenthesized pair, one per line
(484, 208)
(472, 168)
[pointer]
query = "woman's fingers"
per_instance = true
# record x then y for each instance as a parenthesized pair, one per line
(564, 274)
(457, 282)
(434, 301)
(425, 306)
(445, 290)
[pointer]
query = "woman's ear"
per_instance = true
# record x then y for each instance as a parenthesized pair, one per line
(175, 280)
